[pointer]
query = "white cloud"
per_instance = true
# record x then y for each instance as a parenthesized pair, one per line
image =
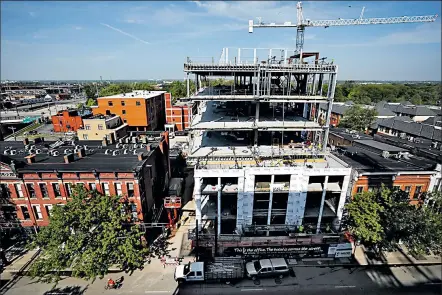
(124, 33)
(32, 14)
(78, 28)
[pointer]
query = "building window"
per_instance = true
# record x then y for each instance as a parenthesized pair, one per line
(18, 190)
(37, 212)
(123, 112)
(133, 208)
(100, 127)
(123, 103)
(407, 189)
(68, 189)
(31, 190)
(87, 127)
(44, 190)
(138, 103)
(109, 103)
(359, 189)
(85, 136)
(4, 191)
(48, 209)
(106, 189)
(9, 213)
(92, 186)
(118, 189)
(125, 121)
(417, 192)
(56, 188)
(25, 211)
(130, 189)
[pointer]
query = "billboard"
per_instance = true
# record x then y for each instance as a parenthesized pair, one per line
(295, 251)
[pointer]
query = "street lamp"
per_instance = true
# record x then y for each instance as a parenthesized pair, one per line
(13, 132)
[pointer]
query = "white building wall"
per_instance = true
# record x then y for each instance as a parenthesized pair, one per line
(197, 197)
(296, 200)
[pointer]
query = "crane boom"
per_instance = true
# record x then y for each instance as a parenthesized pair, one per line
(302, 23)
(353, 22)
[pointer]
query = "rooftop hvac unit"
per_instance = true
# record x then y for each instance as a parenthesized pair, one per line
(135, 152)
(142, 145)
(434, 144)
(410, 138)
(403, 135)
(125, 146)
(85, 147)
(76, 150)
(38, 151)
(125, 151)
(385, 154)
(397, 156)
(135, 146)
(27, 147)
(5, 152)
(119, 145)
(67, 151)
(13, 152)
(107, 152)
(73, 142)
(115, 153)
(357, 136)
(347, 131)
(353, 132)
(55, 153)
(77, 147)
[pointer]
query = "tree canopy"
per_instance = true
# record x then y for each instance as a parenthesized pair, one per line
(358, 118)
(178, 89)
(88, 235)
(113, 89)
(386, 217)
(419, 93)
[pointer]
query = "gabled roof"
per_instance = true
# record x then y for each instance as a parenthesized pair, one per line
(406, 125)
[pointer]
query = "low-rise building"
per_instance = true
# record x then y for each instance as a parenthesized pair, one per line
(35, 177)
(98, 127)
(178, 113)
(375, 163)
(142, 110)
(69, 120)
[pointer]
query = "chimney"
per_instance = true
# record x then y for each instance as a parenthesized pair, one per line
(140, 156)
(148, 147)
(104, 142)
(26, 141)
(81, 153)
(30, 159)
(69, 158)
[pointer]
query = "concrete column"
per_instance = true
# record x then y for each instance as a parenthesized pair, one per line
(257, 112)
(188, 85)
(240, 205)
(269, 215)
(342, 198)
(255, 139)
(249, 191)
(305, 111)
(218, 215)
(197, 197)
(321, 209)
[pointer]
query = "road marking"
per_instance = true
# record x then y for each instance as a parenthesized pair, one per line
(252, 289)
(345, 286)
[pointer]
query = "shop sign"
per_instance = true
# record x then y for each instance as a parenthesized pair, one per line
(295, 250)
(343, 253)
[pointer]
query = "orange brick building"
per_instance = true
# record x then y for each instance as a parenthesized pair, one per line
(141, 110)
(178, 113)
(68, 120)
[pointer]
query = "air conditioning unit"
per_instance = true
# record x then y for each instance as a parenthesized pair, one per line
(67, 151)
(107, 152)
(125, 146)
(135, 146)
(13, 152)
(85, 147)
(5, 152)
(434, 144)
(115, 153)
(119, 145)
(397, 156)
(385, 154)
(38, 151)
(55, 153)
(135, 152)
(125, 151)
(403, 135)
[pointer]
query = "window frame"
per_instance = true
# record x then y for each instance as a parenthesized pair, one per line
(19, 190)
(40, 184)
(23, 212)
(55, 191)
(37, 213)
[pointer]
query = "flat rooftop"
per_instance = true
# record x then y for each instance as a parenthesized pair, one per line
(97, 157)
(144, 94)
(365, 160)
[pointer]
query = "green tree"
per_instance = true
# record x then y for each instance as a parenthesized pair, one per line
(363, 220)
(88, 235)
(90, 91)
(358, 118)
(91, 102)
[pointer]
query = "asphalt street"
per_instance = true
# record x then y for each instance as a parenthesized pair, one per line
(307, 280)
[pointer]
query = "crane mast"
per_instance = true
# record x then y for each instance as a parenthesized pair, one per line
(302, 23)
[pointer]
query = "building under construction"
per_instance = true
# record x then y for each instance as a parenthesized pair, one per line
(261, 164)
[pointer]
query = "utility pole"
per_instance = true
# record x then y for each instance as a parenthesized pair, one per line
(13, 132)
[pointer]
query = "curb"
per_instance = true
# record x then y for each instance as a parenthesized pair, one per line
(350, 265)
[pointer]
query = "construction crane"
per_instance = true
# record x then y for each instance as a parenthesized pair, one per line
(303, 23)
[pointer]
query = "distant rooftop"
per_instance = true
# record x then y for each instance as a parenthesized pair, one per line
(103, 117)
(136, 94)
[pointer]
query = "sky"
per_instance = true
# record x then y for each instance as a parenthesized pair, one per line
(82, 40)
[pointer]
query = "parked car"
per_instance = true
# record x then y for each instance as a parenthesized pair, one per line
(273, 267)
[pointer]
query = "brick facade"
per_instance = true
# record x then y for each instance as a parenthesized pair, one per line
(178, 114)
